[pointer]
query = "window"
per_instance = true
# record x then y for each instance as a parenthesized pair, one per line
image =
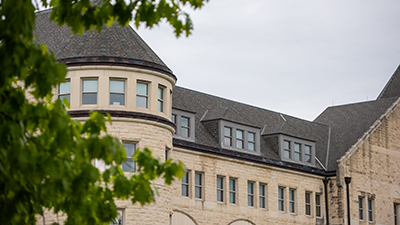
(239, 139)
(232, 190)
(184, 122)
(318, 205)
(141, 95)
(198, 185)
(250, 193)
(281, 199)
(297, 152)
(292, 202)
(185, 127)
(396, 214)
(227, 136)
(89, 92)
(251, 143)
(370, 210)
(117, 92)
(185, 184)
(129, 165)
(64, 91)
(220, 189)
(160, 99)
(119, 219)
(286, 149)
(308, 203)
(262, 195)
(360, 208)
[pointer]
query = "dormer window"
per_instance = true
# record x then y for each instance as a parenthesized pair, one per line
(184, 122)
(239, 137)
(297, 150)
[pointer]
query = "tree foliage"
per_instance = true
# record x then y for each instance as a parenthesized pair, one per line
(45, 157)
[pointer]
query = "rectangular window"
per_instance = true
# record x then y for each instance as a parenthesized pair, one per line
(173, 118)
(308, 203)
(262, 195)
(160, 99)
(64, 91)
(220, 189)
(251, 141)
(292, 202)
(232, 190)
(396, 214)
(141, 95)
(185, 127)
(250, 193)
(239, 139)
(307, 153)
(370, 211)
(360, 208)
(297, 152)
(286, 149)
(185, 184)
(129, 165)
(318, 205)
(120, 218)
(198, 185)
(281, 199)
(227, 136)
(117, 92)
(89, 92)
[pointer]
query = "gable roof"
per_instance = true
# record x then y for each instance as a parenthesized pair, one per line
(349, 123)
(392, 88)
(210, 108)
(115, 45)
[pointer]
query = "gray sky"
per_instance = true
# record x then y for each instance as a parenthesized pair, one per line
(296, 57)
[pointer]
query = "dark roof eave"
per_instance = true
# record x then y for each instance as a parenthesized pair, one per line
(117, 61)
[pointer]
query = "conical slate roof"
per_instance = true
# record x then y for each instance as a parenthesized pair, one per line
(115, 45)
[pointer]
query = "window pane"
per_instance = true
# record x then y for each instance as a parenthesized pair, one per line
(220, 196)
(64, 88)
(308, 199)
(308, 210)
(296, 147)
(89, 86)
(198, 179)
(286, 144)
(286, 154)
(250, 146)
(129, 149)
(232, 186)
(280, 193)
(185, 177)
(184, 121)
(239, 134)
(250, 136)
(219, 182)
(250, 188)
(160, 93)
(197, 191)
(262, 190)
(117, 99)
(141, 101)
(239, 144)
(232, 197)
(160, 106)
(89, 98)
(128, 165)
(291, 195)
(184, 132)
(227, 141)
(227, 131)
(307, 150)
(173, 118)
(61, 97)
(308, 158)
(117, 86)
(141, 89)
(185, 190)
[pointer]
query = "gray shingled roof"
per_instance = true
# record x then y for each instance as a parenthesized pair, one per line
(114, 45)
(349, 123)
(392, 88)
(214, 108)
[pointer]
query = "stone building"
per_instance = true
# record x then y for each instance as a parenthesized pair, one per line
(245, 165)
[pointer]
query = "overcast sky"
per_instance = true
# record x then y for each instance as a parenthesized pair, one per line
(296, 57)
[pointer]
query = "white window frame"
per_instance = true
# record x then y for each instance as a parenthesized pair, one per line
(131, 157)
(146, 96)
(186, 184)
(246, 129)
(251, 192)
(90, 92)
(62, 95)
(233, 191)
(160, 101)
(119, 93)
(318, 205)
(178, 132)
(199, 186)
(292, 201)
(370, 210)
(221, 190)
(262, 198)
(308, 205)
(281, 199)
(292, 141)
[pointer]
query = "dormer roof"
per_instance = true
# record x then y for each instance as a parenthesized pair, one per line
(114, 45)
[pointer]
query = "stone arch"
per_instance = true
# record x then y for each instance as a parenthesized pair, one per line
(241, 222)
(179, 217)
